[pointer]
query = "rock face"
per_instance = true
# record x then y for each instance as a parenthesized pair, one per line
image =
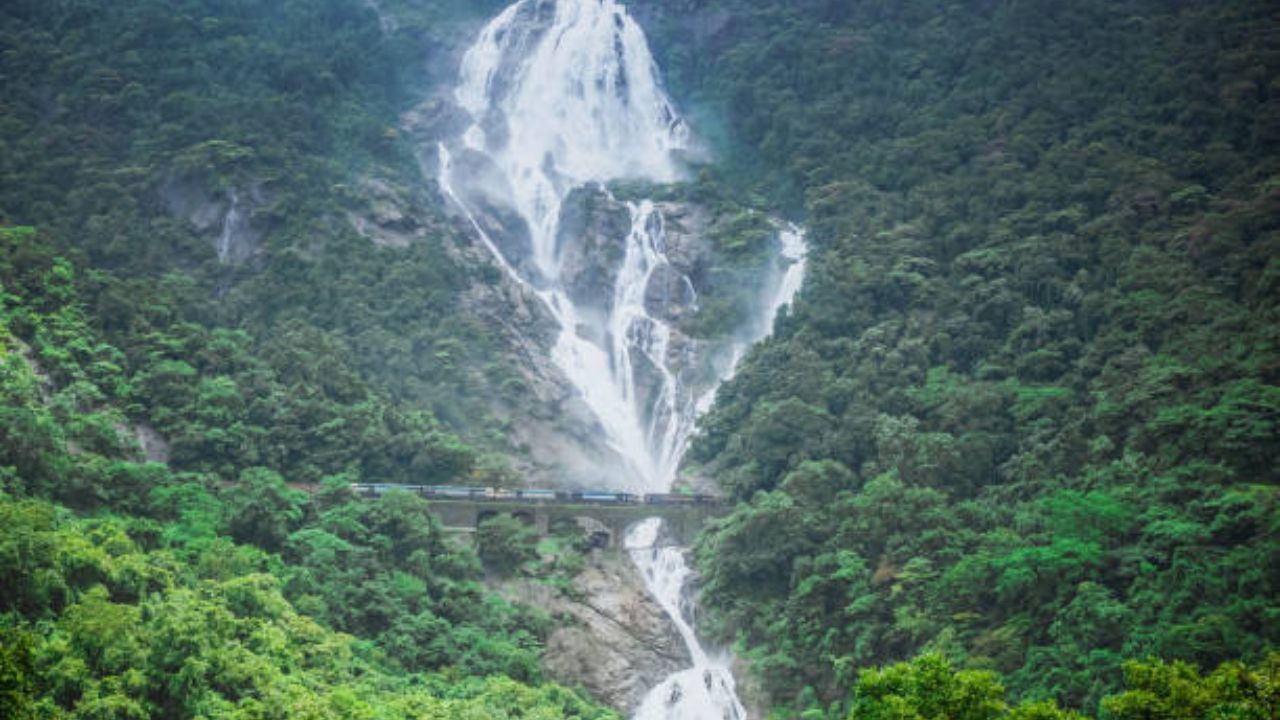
(750, 688)
(553, 437)
(614, 641)
(591, 243)
(388, 215)
(558, 441)
(674, 289)
(155, 449)
(227, 219)
(592, 229)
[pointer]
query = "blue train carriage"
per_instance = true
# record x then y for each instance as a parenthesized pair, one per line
(372, 490)
(601, 497)
(537, 495)
(456, 492)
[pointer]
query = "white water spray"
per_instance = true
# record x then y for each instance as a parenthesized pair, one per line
(564, 94)
(706, 690)
(233, 224)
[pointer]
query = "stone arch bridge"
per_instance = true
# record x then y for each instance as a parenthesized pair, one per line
(605, 514)
(683, 521)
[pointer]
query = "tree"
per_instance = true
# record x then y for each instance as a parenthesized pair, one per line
(929, 688)
(261, 509)
(505, 543)
(17, 673)
(1177, 691)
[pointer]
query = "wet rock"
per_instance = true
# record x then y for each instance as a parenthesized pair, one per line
(556, 439)
(591, 244)
(190, 201)
(687, 226)
(434, 118)
(615, 642)
(484, 188)
(227, 219)
(673, 290)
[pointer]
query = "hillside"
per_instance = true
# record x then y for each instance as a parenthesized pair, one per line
(164, 394)
(1024, 413)
(1012, 452)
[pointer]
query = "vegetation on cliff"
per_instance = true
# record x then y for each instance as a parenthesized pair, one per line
(1024, 413)
(195, 580)
(1021, 423)
(158, 591)
(127, 129)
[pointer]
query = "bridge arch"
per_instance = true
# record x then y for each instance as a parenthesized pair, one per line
(528, 516)
(596, 534)
(605, 523)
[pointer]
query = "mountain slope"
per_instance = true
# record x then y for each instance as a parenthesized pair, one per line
(1024, 412)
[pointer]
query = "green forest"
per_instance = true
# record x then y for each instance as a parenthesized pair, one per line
(1025, 415)
(1014, 452)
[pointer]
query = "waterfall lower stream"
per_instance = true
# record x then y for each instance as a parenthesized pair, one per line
(564, 95)
(706, 690)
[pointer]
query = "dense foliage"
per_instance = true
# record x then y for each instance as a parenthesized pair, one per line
(929, 687)
(1025, 412)
(1023, 418)
(126, 130)
(180, 594)
(191, 577)
(107, 627)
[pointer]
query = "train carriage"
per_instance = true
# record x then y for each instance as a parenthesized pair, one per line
(533, 495)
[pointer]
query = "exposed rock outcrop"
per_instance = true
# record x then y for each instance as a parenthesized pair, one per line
(590, 241)
(614, 640)
(227, 219)
(155, 449)
(387, 214)
(673, 290)
(554, 438)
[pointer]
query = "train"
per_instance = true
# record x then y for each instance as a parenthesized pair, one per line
(535, 495)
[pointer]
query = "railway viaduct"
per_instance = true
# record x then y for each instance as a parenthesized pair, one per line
(609, 522)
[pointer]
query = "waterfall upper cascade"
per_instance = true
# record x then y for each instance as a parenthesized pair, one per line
(563, 95)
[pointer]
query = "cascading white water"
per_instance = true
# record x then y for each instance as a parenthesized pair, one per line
(572, 91)
(233, 224)
(706, 690)
(563, 94)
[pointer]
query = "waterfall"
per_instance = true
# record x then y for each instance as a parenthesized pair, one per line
(706, 690)
(562, 95)
(233, 225)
